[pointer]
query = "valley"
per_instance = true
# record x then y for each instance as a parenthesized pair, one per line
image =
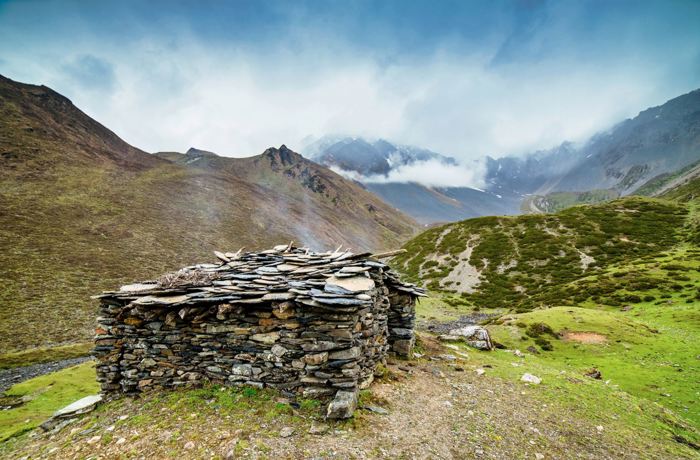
(350, 230)
(596, 295)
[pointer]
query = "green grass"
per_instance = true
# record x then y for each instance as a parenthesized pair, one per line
(623, 414)
(650, 355)
(526, 261)
(647, 309)
(557, 201)
(642, 293)
(45, 395)
(655, 184)
(44, 355)
(187, 411)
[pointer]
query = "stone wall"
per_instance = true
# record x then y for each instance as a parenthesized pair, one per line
(402, 320)
(317, 334)
(309, 350)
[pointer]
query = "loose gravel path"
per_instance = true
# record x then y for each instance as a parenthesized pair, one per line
(9, 377)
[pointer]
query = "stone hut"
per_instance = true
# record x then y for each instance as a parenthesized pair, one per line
(311, 324)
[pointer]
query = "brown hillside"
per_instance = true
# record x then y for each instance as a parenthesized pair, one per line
(81, 211)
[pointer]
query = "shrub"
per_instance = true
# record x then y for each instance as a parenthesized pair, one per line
(535, 330)
(544, 344)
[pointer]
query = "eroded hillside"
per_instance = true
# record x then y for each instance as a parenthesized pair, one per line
(525, 262)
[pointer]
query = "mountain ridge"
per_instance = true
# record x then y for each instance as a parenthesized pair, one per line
(85, 211)
(658, 140)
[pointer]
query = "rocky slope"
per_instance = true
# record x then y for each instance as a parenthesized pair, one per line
(658, 141)
(84, 211)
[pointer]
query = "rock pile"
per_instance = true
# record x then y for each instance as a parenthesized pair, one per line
(314, 324)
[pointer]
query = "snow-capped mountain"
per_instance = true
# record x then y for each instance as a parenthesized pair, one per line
(429, 186)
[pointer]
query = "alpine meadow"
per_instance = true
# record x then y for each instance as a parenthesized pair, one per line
(370, 229)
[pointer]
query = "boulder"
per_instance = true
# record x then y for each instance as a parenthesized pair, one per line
(474, 336)
(343, 405)
(80, 406)
(529, 378)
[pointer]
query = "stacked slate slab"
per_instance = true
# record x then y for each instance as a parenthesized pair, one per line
(312, 324)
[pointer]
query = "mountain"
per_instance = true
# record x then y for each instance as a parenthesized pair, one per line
(83, 211)
(378, 166)
(368, 158)
(658, 141)
(317, 205)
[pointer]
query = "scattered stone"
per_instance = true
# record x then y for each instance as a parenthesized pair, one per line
(538, 456)
(447, 357)
(593, 373)
(480, 371)
(377, 410)
(80, 406)
(318, 428)
(189, 445)
(519, 354)
(529, 378)
(61, 416)
(286, 432)
(94, 440)
(437, 373)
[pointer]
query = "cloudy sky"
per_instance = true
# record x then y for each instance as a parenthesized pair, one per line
(462, 78)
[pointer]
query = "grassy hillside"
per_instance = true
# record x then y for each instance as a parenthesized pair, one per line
(83, 211)
(557, 201)
(611, 287)
(524, 262)
(665, 183)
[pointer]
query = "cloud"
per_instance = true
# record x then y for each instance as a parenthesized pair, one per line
(465, 81)
(91, 73)
(431, 173)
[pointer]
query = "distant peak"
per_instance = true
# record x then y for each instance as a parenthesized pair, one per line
(195, 151)
(283, 155)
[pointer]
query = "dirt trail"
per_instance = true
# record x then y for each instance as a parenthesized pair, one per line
(437, 409)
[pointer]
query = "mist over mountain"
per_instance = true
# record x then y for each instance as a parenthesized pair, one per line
(368, 158)
(428, 186)
(433, 187)
(657, 141)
